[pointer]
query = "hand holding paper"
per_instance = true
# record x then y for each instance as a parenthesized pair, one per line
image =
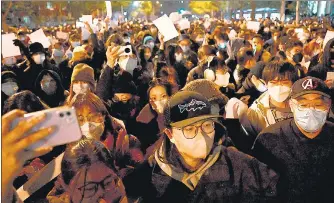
(166, 27)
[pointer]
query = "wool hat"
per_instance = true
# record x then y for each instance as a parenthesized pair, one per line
(85, 73)
(125, 86)
(185, 108)
(147, 38)
(79, 53)
(36, 47)
(208, 89)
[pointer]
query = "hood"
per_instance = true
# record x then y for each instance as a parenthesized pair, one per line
(50, 100)
(326, 57)
(9, 76)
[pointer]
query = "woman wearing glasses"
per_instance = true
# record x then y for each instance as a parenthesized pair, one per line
(89, 176)
(191, 165)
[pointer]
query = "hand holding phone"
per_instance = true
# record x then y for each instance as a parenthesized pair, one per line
(64, 119)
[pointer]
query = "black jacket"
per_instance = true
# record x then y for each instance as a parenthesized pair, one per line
(306, 165)
(234, 177)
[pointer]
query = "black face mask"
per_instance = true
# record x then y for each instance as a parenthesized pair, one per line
(297, 58)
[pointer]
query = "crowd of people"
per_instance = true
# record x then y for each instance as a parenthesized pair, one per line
(218, 114)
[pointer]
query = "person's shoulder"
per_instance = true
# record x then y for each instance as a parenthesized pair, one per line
(278, 130)
(232, 154)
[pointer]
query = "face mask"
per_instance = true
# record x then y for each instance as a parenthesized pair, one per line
(80, 88)
(266, 29)
(92, 130)
(151, 45)
(185, 49)
(38, 58)
(159, 106)
(261, 88)
(75, 44)
(222, 80)
(128, 64)
(297, 58)
(57, 53)
(209, 75)
(127, 40)
(310, 120)
(22, 38)
(199, 40)
(48, 87)
(9, 88)
(279, 93)
(178, 57)
(9, 61)
(222, 45)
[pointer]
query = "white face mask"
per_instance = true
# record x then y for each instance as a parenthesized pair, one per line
(9, 88)
(185, 49)
(222, 80)
(159, 106)
(9, 61)
(151, 45)
(48, 85)
(92, 130)
(209, 75)
(127, 40)
(75, 44)
(178, 57)
(38, 58)
(128, 64)
(80, 88)
(279, 93)
(310, 120)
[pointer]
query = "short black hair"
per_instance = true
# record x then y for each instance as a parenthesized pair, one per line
(223, 36)
(293, 43)
(280, 70)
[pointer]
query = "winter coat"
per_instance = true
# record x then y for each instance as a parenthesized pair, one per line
(227, 176)
(261, 115)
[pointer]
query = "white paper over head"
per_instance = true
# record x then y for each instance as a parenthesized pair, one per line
(39, 36)
(184, 24)
(7, 46)
(175, 17)
(87, 18)
(84, 33)
(109, 9)
(253, 25)
(79, 24)
(330, 76)
(166, 27)
(62, 35)
(329, 36)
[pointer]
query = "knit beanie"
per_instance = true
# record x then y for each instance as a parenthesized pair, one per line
(208, 89)
(79, 54)
(85, 73)
(125, 86)
(147, 38)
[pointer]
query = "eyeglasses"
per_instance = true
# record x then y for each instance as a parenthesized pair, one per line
(90, 189)
(323, 106)
(190, 131)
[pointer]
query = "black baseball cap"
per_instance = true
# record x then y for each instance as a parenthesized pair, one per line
(187, 107)
(309, 85)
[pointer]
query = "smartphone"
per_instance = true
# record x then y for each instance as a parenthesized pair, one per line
(127, 50)
(66, 122)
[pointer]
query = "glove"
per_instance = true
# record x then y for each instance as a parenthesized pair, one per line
(18, 43)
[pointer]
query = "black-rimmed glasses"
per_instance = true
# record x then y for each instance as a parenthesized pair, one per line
(90, 189)
(190, 131)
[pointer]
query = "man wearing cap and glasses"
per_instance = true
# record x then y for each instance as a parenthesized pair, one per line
(301, 149)
(190, 164)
